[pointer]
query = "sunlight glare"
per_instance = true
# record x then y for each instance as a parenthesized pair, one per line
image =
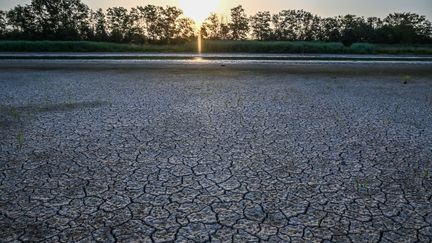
(199, 43)
(198, 10)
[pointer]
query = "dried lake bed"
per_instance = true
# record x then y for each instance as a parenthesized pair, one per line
(196, 150)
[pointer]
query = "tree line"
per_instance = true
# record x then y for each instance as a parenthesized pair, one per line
(74, 20)
(300, 25)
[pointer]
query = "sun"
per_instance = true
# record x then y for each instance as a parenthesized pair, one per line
(198, 10)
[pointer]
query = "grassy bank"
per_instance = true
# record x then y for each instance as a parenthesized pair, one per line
(313, 47)
(88, 46)
(215, 47)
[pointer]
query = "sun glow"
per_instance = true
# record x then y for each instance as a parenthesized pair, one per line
(198, 10)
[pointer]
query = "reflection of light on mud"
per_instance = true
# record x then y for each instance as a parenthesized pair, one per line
(199, 43)
(198, 59)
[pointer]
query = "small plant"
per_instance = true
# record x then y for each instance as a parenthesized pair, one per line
(426, 174)
(15, 113)
(226, 103)
(320, 222)
(20, 139)
(398, 106)
(338, 117)
(362, 184)
(239, 100)
(241, 119)
(406, 79)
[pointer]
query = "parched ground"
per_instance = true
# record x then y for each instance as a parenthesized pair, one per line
(139, 151)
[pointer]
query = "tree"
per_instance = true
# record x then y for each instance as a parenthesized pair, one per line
(118, 23)
(329, 30)
(374, 22)
(314, 29)
(100, 25)
(215, 28)
(296, 25)
(159, 24)
(73, 20)
(224, 33)
(239, 25)
(167, 23)
(354, 29)
(23, 22)
(285, 24)
(306, 25)
(62, 19)
(135, 30)
(151, 18)
(348, 37)
(185, 29)
(2, 23)
(407, 28)
(260, 24)
(211, 27)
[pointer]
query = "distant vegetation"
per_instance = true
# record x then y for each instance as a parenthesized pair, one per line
(72, 20)
(253, 46)
(216, 46)
(91, 46)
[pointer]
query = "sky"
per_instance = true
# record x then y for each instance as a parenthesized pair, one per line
(378, 8)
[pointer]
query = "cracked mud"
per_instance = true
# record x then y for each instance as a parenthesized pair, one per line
(157, 153)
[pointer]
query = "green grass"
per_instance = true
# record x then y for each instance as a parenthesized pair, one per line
(88, 46)
(215, 47)
(312, 47)
(20, 139)
(14, 113)
(272, 47)
(362, 184)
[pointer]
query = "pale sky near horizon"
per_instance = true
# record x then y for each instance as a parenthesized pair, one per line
(378, 8)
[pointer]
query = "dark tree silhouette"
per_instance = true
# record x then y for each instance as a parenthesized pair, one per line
(99, 26)
(150, 15)
(135, 32)
(118, 23)
(23, 24)
(306, 25)
(351, 29)
(210, 28)
(285, 25)
(329, 30)
(407, 28)
(61, 19)
(215, 28)
(239, 24)
(168, 20)
(185, 29)
(50, 19)
(2, 23)
(224, 31)
(73, 20)
(260, 25)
